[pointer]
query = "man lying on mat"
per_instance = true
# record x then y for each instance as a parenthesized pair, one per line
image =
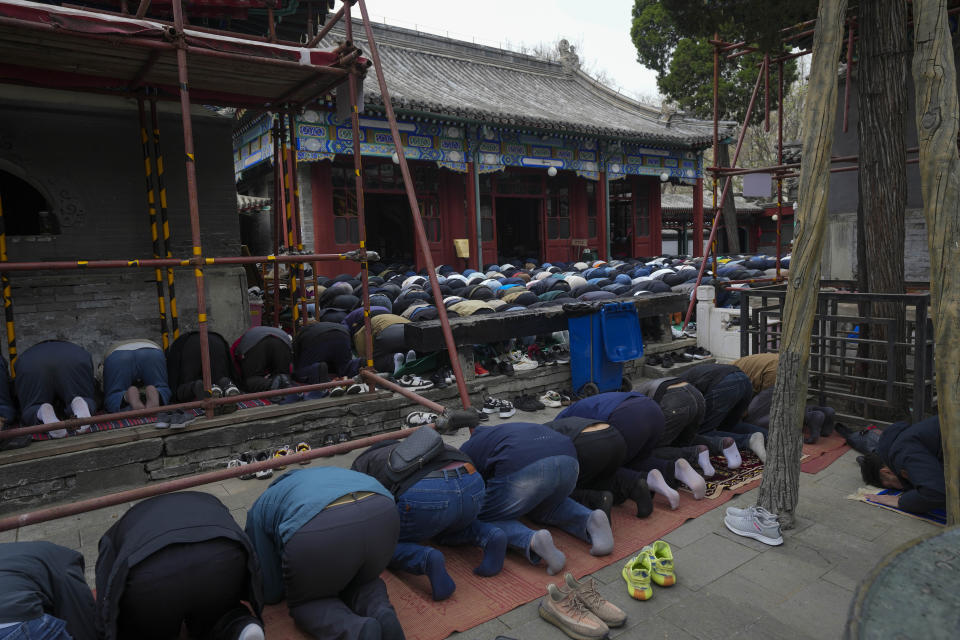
(439, 500)
(908, 458)
(530, 470)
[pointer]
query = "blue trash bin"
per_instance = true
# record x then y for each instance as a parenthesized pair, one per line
(599, 344)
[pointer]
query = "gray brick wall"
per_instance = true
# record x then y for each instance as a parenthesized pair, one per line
(85, 157)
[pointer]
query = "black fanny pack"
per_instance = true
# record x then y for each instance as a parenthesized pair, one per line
(408, 457)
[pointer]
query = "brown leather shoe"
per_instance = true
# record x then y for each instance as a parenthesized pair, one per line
(586, 590)
(570, 614)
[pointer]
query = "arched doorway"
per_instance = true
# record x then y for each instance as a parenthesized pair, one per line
(26, 211)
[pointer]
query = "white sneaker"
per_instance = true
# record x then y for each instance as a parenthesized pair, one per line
(416, 419)
(524, 364)
(551, 399)
(756, 523)
(415, 382)
(506, 408)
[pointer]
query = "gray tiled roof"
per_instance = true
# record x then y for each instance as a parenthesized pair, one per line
(451, 77)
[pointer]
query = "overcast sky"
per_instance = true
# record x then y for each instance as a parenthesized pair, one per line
(603, 33)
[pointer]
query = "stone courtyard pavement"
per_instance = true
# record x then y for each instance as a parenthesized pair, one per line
(728, 586)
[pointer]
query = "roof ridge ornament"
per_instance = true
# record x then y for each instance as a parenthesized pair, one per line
(568, 55)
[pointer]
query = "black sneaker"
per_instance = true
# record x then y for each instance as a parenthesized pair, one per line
(654, 360)
(528, 403)
(667, 361)
(505, 368)
(482, 416)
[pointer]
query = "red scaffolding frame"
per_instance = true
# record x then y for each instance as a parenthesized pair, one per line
(102, 52)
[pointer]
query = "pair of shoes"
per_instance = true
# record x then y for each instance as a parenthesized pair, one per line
(481, 416)
(176, 419)
(439, 380)
(667, 361)
(356, 388)
(416, 419)
(578, 609)
(654, 562)
(282, 452)
(505, 368)
(227, 390)
(494, 405)
(479, 370)
(415, 383)
(528, 403)
(698, 353)
(522, 362)
(654, 360)
(754, 522)
(263, 474)
(551, 399)
(303, 447)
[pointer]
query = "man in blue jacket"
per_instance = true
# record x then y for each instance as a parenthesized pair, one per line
(530, 470)
(909, 458)
(323, 537)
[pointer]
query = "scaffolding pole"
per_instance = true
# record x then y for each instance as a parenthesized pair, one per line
(415, 211)
(164, 222)
(355, 97)
(7, 296)
(192, 198)
(152, 213)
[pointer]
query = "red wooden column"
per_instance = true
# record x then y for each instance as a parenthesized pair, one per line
(602, 215)
(469, 180)
(698, 218)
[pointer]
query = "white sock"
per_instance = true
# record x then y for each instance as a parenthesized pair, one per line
(46, 414)
(79, 407)
(758, 446)
(732, 454)
(657, 484)
(398, 362)
(703, 459)
(685, 474)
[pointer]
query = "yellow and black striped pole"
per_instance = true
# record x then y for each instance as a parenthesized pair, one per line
(7, 295)
(295, 198)
(291, 243)
(164, 223)
(152, 210)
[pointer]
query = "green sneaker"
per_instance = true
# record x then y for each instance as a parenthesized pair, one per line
(661, 563)
(637, 575)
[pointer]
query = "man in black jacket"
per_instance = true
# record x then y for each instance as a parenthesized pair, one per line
(439, 501)
(178, 558)
(909, 458)
(43, 593)
(726, 394)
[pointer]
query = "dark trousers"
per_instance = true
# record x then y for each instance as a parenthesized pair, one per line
(8, 410)
(640, 421)
(683, 408)
(200, 584)
(726, 403)
(600, 454)
(331, 569)
(330, 347)
(184, 359)
(54, 372)
(127, 367)
(386, 343)
(268, 357)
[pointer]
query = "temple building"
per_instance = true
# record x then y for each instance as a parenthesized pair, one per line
(514, 156)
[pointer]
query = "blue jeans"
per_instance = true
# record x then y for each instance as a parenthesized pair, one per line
(725, 404)
(444, 509)
(123, 369)
(45, 627)
(540, 491)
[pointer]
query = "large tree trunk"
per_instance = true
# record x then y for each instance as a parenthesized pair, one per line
(781, 478)
(729, 207)
(934, 75)
(882, 92)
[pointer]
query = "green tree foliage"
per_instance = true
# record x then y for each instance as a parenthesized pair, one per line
(672, 37)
